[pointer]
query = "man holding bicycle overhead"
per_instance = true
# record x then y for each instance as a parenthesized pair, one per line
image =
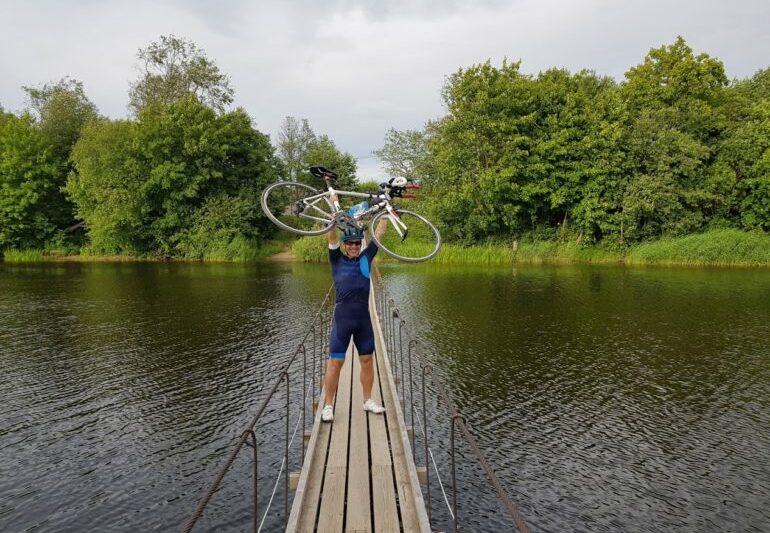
(351, 312)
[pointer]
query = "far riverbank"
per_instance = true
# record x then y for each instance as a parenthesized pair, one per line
(724, 247)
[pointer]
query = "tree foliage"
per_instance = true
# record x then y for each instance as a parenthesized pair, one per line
(673, 149)
(28, 173)
(62, 109)
(294, 141)
(404, 153)
(299, 148)
(173, 68)
(177, 181)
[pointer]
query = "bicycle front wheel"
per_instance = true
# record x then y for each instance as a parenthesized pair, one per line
(298, 208)
(409, 237)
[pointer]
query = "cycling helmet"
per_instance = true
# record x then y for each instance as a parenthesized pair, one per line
(352, 234)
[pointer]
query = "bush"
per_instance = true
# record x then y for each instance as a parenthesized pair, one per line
(311, 249)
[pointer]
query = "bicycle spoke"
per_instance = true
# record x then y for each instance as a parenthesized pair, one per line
(298, 208)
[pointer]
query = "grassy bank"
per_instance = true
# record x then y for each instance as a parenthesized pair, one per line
(725, 247)
(234, 252)
(23, 256)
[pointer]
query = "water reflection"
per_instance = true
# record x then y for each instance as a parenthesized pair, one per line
(611, 398)
(122, 384)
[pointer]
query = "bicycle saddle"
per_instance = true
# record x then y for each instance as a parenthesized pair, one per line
(324, 173)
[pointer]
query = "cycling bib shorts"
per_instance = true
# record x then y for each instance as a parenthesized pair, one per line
(351, 320)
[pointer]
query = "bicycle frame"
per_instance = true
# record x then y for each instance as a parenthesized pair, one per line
(383, 202)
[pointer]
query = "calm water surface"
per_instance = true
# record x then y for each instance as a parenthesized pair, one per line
(608, 399)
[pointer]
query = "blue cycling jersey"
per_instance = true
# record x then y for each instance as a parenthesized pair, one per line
(351, 314)
(351, 276)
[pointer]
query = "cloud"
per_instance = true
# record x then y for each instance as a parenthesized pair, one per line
(355, 68)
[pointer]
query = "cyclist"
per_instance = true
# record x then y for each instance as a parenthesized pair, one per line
(351, 313)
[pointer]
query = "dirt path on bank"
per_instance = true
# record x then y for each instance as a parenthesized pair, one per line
(282, 256)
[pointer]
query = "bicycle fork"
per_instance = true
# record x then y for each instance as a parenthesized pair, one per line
(398, 224)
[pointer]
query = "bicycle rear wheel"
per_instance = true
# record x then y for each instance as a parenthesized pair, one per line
(298, 208)
(411, 238)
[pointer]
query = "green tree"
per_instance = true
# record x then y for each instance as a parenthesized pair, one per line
(28, 174)
(324, 152)
(294, 141)
(517, 153)
(173, 68)
(174, 183)
(479, 152)
(742, 170)
(676, 121)
(187, 154)
(106, 187)
(62, 109)
(404, 153)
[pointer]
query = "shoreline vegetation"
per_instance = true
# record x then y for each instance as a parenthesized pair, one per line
(722, 247)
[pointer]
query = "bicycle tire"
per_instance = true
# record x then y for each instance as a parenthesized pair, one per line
(429, 236)
(301, 225)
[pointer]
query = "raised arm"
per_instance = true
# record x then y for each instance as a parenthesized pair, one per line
(332, 235)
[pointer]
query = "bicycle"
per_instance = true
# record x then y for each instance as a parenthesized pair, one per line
(304, 210)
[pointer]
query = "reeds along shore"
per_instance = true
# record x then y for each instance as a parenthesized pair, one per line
(724, 247)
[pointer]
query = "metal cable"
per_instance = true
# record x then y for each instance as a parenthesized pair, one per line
(435, 467)
(280, 471)
(244, 436)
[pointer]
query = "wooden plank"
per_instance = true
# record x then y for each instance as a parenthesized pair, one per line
(383, 495)
(403, 485)
(358, 509)
(411, 504)
(332, 512)
(307, 497)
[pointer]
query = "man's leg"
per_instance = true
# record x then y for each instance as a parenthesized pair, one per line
(332, 379)
(367, 380)
(367, 374)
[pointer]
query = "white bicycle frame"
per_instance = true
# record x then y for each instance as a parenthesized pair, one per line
(383, 202)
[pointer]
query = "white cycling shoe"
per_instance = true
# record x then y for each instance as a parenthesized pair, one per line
(373, 407)
(327, 415)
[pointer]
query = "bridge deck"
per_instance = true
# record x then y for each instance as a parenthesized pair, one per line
(359, 474)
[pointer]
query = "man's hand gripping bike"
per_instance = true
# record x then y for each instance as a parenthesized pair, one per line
(304, 210)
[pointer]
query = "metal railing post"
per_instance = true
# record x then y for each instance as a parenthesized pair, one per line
(455, 418)
(412, 342)
(401, 325)
(286, 456)
(426, 369)
(253, 445)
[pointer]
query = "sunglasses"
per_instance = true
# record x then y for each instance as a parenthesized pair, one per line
(353, 243)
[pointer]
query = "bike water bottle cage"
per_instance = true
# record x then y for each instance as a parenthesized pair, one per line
(323, 173)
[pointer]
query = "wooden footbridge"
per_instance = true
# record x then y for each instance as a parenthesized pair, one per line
(359, 473)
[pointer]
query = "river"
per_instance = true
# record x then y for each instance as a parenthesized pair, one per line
(607, 398)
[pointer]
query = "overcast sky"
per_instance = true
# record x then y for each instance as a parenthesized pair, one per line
(355, 68)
